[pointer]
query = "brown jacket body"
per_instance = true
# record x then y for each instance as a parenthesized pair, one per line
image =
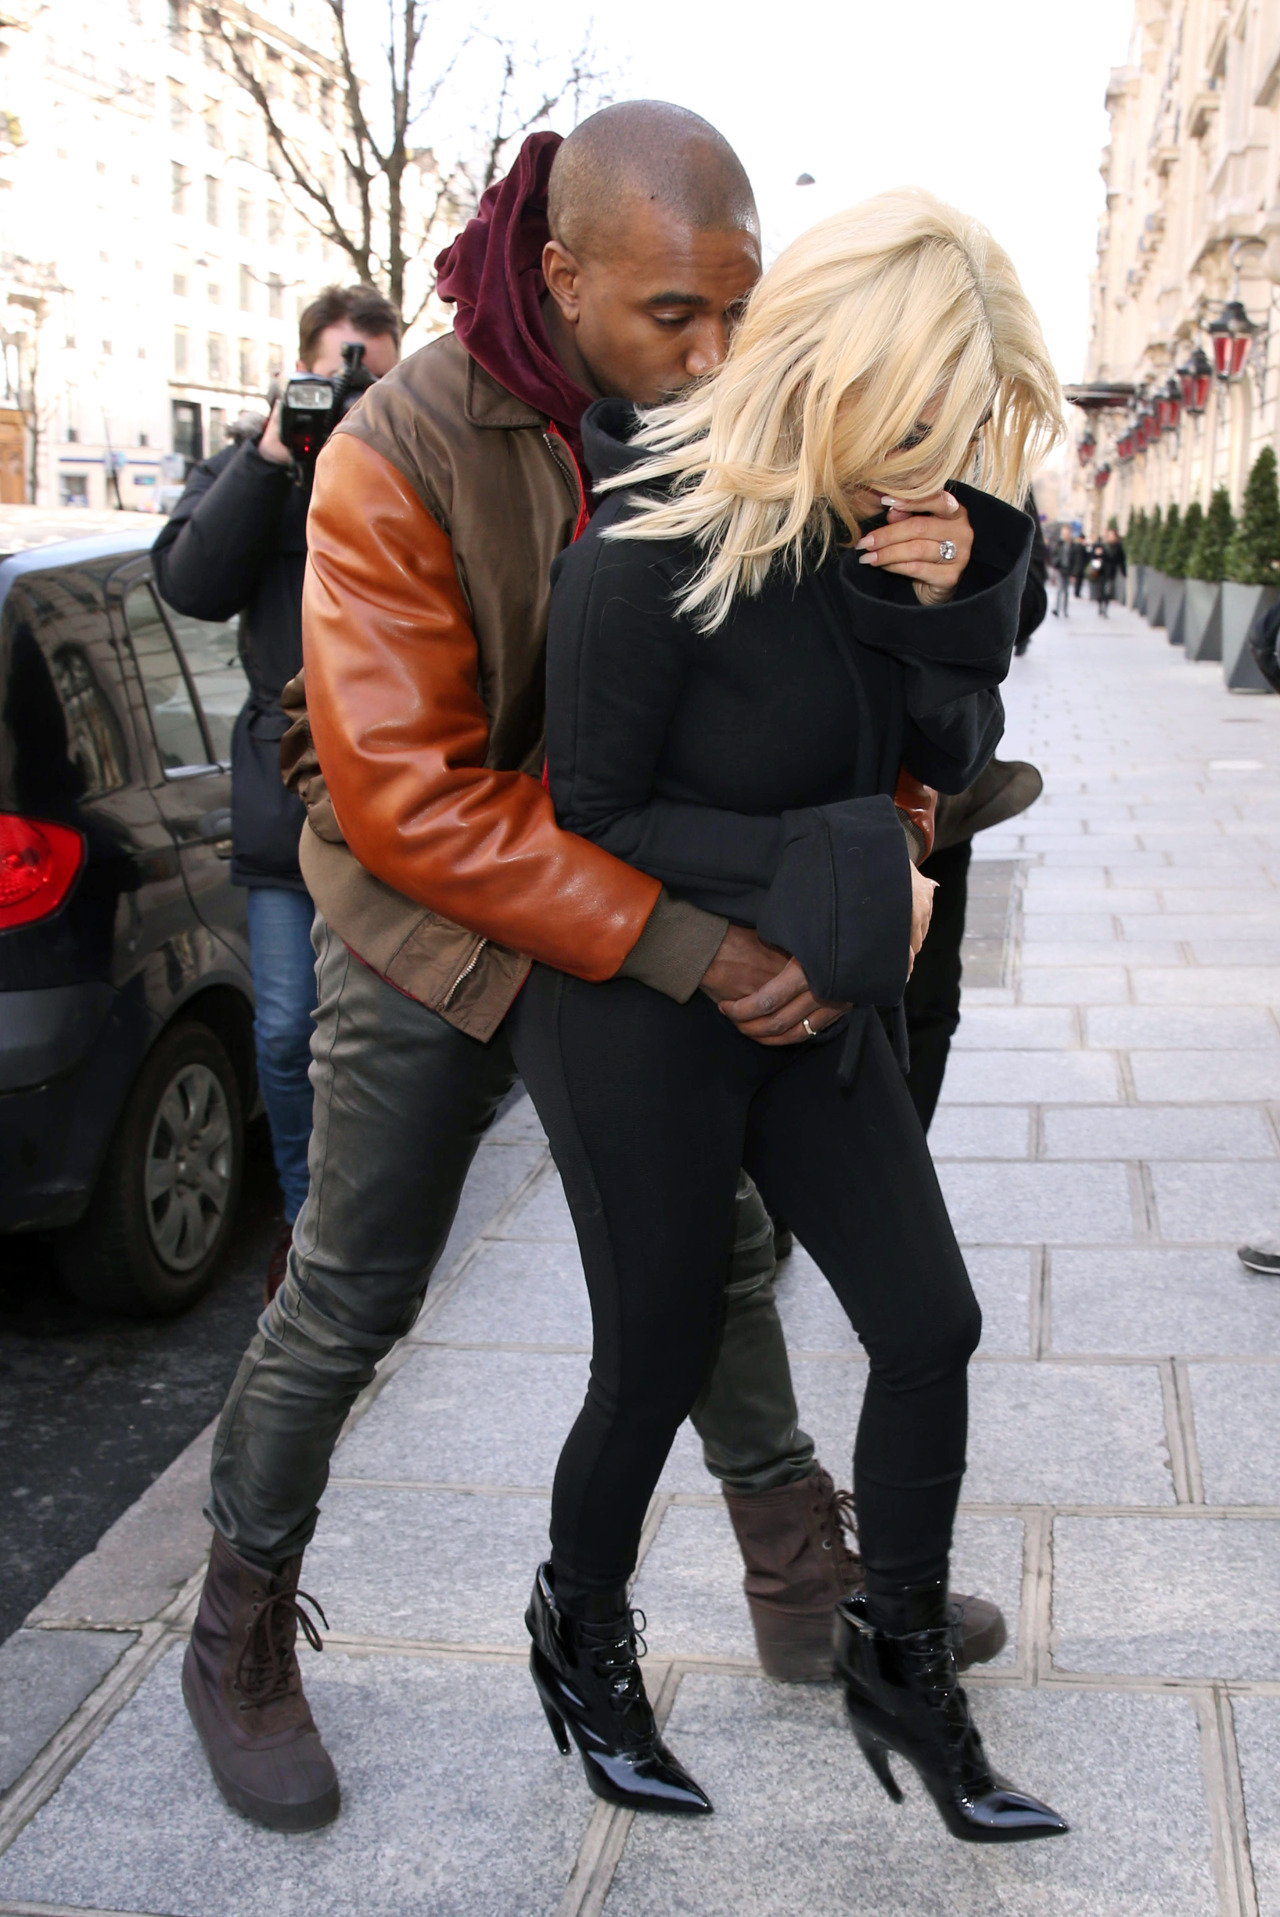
(439, 505)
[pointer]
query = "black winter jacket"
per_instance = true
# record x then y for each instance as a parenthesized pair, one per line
(237, 543)
(752, 769)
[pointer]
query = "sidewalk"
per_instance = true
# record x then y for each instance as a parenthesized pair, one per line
(1109, 1133)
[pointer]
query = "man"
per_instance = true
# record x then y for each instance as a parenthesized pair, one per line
(1063, 561)
(440, 505)
(236, 544)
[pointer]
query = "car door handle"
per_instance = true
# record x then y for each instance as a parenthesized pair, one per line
(215, 830)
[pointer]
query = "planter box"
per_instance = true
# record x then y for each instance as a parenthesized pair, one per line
(1133, 588)
(1202, 619)
(1175, 601)
(1240, 607)
(1154, 597)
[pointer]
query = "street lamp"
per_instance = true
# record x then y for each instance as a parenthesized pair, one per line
(1232, 335)
(1168, 406)
(1087, 447)
(1196, 377)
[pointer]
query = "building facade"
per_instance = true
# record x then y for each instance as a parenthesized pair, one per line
(1182, 385)
(152, 267)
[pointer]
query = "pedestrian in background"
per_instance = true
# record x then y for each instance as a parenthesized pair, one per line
(1113, 568)
(236, 544)
(1063, 551)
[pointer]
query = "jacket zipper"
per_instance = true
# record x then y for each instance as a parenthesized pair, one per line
(571, 474)
(464, 974)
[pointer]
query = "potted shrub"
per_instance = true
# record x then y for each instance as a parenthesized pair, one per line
(1252, 580)
(1180, 549)
(1206, 569)
(1170, 558)
(1135, 558)
(1153, 579)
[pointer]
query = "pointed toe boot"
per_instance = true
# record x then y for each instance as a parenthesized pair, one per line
(799, 1558)
(588, 1679)
(895, 1657)
(243, 1690)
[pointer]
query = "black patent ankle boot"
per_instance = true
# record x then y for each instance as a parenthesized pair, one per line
(895, 1657)
(588, 1678)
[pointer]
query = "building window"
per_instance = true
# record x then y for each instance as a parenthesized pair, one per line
(180, 344)
(178, 23)
(217, 428)
(75, 489)
(106, 349)
(188, 432)
(244, 137)
(211, 199)
(275, 222)
(273, 74)
(180, 282)
(275, 362)
(275, 297)
(326, 105)
(73, 435)
(142, 352)
(180, 187)
(248, 364)
(213, 125)
(217, 352)
(246, 290)
(179, 111)
(214, 288)
(144, 439)
(301, 92)
(244, 215)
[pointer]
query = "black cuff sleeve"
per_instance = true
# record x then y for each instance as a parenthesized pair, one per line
(840, 901)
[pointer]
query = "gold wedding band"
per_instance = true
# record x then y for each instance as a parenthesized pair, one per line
(808, 1028)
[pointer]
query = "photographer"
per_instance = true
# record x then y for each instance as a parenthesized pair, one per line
(236, 544)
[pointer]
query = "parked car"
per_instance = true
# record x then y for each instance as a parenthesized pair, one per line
(126, 1004)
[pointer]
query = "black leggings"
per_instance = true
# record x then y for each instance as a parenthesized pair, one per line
(650, 1108)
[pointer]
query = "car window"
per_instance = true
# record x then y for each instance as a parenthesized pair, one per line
(94, 742)
(212, 652)
(174, 719)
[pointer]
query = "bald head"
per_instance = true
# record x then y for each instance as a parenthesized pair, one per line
(645, 153)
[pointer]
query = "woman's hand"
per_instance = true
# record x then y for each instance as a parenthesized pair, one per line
(912, 541)
(922, 891)
(776, 1014)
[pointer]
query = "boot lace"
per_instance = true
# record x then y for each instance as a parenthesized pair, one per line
(615, 1661)
(264, 1673)
(837, 1514)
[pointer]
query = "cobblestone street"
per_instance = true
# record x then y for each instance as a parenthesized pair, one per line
(1108, 1135)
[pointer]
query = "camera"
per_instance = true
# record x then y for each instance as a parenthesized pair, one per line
(313, 404)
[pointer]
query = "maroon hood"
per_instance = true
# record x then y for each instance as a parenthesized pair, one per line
(493, 273)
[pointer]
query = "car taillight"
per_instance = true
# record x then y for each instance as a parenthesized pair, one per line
(39, 862)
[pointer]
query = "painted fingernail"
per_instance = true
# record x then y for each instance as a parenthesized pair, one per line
(867, 558)
(887, 502)
(865, 543)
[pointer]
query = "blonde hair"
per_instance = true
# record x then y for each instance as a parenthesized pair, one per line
(856, 330)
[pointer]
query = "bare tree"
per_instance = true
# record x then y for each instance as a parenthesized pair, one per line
(400, 190)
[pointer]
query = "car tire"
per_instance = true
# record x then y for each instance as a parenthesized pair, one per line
(165, 1202)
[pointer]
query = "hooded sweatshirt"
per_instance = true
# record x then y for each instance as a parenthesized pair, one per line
(492, 273)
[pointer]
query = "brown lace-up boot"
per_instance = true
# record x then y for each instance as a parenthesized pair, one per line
(243, 1689)
(795, 1544)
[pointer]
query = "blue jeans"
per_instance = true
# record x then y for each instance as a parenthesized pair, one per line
(284, 988)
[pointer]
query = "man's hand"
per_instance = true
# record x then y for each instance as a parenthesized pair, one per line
(774, 1014)
(742, 965)
(910, 544)
(271, 446)
(922, 891)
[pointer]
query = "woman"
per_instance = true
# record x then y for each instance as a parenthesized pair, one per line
(735, 671)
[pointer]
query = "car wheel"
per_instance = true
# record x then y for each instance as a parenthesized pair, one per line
(166, 1197)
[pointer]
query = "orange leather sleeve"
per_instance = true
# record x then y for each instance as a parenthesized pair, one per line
(919, 802)
(401, 734)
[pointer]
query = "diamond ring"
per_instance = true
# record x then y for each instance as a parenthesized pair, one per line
(946, 550)
(808, 1028)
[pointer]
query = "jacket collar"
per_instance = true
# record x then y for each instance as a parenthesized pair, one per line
(487, 403)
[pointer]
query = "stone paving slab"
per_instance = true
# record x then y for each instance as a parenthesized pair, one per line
(1177, 1597)
(1237, 1419)
(814, 1319)
(1231, 1202)
(1022, 1078)
(1038, 1204)
(1066, 1434)
(455, 1801)
(1124, 1770)
(1158, 1131)
(44, 1677)
(981, 1131)
(1257, 1728)
(1156, 1302)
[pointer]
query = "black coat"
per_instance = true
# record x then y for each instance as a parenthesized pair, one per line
(752, 769)
(237, 543)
